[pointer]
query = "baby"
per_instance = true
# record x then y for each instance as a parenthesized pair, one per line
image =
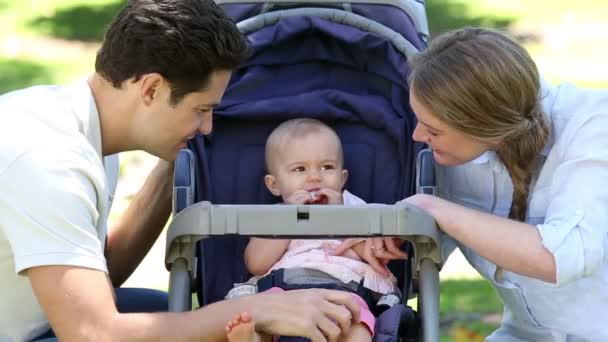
(304, 161)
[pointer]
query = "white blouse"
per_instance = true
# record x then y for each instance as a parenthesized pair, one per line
(568, 203)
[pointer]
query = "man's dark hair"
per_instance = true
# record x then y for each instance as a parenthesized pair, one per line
(183, 40)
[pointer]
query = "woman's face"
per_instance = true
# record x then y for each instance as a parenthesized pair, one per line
(450, 145)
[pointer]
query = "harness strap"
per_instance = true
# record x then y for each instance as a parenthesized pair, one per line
(305, 278)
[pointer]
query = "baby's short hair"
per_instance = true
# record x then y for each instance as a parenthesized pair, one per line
(296, 128)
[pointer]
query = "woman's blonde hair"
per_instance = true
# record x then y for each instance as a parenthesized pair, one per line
(484, 84)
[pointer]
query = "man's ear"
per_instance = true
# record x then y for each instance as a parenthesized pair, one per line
(344, 177)
(150, 87)
(271, 184)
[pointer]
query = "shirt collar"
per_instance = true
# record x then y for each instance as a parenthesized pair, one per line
(548, 97)
(483, 158)
(86, 114)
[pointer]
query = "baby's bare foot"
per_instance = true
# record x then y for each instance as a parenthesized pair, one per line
(242, 329)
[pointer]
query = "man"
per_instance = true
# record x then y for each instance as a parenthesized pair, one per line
(162, 68)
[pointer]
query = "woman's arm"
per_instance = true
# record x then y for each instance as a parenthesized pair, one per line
(261, 254)
(512, 245)
(570, 244)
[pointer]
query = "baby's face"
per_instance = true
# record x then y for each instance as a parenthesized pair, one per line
(308, 163)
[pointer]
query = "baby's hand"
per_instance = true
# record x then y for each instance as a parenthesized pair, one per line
(299, 197)
(322, 196)
(331, 196)
(351, 254)
(316, 197)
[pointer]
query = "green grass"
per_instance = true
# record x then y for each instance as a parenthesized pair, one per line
(16, 73)
(542, 12)
(463, 305)
(447, 14)
(469, 295)
(25, 22)
(82, 22)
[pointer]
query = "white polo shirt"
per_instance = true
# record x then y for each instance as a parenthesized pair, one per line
(568, 203)
(55, 194)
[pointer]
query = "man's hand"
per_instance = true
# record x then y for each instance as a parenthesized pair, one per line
(318, 314)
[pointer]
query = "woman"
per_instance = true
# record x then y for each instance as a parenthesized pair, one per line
(522, 182)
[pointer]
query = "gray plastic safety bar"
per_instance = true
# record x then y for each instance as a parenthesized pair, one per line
(204, 219)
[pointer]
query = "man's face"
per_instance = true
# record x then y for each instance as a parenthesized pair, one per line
(169, 126)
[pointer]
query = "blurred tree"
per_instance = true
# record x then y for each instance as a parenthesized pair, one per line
(86, 23)
(19, 73)
(445, 15)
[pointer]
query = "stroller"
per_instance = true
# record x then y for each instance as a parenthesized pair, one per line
(342, 63)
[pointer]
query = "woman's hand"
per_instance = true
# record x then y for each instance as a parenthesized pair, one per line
(377, 252)
(422, 201)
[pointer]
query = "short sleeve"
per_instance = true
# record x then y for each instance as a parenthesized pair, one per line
(575, 229)
(49, 200)
(352, 200)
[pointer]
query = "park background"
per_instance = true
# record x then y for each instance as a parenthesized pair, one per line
(55, 41)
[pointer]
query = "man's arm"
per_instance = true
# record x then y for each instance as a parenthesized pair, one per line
(134, 233)
(79, 304)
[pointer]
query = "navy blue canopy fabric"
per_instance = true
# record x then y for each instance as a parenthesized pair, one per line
(305, 67)
(388, 15)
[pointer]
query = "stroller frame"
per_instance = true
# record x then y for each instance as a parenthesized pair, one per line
(195, 221)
